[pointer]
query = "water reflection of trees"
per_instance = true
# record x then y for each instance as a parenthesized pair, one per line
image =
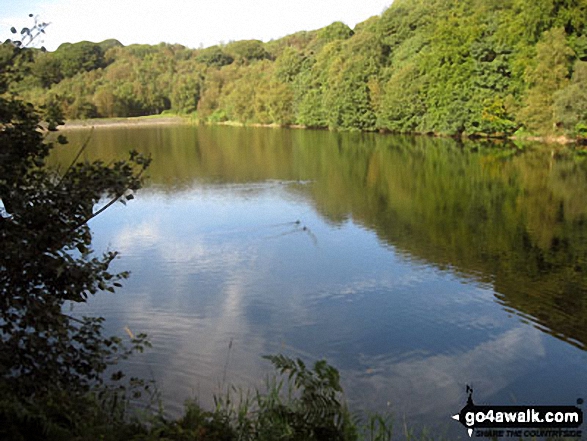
(517, 220)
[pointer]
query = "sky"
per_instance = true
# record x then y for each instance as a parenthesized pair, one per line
(193, 23)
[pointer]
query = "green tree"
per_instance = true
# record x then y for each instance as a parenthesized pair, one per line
(288, 65)
(50, 360)
(246, 50)
(310, 84)
(47, 69)
(214, 56)
(467, 67)
(335, 31)
(185, 94)
(404, 103)
(279, 103)
(216, 81)
(248, 98)
(105, 102)
(347, 96)
(570, 103)
(82, 56)
(548, 75)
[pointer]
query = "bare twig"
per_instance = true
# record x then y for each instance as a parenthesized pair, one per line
(79, 153)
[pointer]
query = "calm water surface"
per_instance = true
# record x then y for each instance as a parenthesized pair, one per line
(415, 266)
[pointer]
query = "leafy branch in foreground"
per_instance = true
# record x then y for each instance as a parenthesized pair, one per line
(46, 261)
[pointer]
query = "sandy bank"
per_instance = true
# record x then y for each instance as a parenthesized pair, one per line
(124, 122)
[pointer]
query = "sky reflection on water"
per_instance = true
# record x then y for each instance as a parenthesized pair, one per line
(270, 264)
(219, 264)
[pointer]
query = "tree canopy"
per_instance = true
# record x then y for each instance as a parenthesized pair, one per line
(470, 67)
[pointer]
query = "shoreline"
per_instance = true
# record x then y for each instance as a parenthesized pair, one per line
(158, 120)
(125, 122)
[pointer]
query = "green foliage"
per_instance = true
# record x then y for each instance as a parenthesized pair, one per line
(405, 19)
(306, 405)
(479, 68)
(246, 50)
(47, 68)
(368, 25)
(209, 99)
(214, 56)
(315, 409)
(310, 85)
(335, 31)
(279, 103)
(310, 110)
(243, 98)
(79, 57)
(404, 103)
(110, 43)
(570, 103)
(47, 261)
(288, 65)
(347, 95)
(185, 93)
(548, 75)
(299, 41)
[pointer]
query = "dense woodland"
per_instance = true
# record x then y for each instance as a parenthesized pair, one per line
(469, 67)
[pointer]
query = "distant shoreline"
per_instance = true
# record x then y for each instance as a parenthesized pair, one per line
(154, 120)
(162, 120)
(125, 122)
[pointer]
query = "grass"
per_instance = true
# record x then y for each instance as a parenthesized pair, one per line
(164, 117)
(299, 403)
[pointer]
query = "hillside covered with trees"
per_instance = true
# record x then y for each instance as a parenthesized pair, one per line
(464, 67)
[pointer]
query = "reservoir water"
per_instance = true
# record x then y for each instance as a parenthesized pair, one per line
(415, 266)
